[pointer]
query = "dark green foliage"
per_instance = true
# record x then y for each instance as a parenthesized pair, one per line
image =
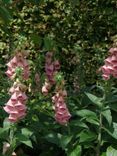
(80, 34)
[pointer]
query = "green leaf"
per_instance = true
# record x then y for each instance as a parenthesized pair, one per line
(86, 136)
(86, 113)
(5, 15)
(23, 139)
(90, 116)
(93, 120)
(111, 151)
(103, 154)
(64, 140)
(76, 123)
(36, 39)
(7, 1)
(94, 99)
(6, 123)
(112, 131)
(48, 43)
(59, 139)
(4, 133)
(26, 132)
(112, 99)
(107, 114)
(76, 152)
(53, 138)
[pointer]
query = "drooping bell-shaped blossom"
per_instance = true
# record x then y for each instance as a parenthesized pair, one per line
(18, 61)
(62, 114)
(56, 65)
(16, 106)
(113, 51)
(46, 87)
(51, 67)
(110, 66)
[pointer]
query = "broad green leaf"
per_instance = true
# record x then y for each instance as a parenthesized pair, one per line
(59, 139)
(76, 152)
(107, 114)
(92, 120)
(26, 132)
(111, 151)
(27, 142)
(113, 106)
(64, 140)
(78, 124)
(87, 136)
(6, 123)
(112, 99)
(86, 113)
(23, 139)
(112, 131)
(89, 115)
(94, 99)
(53, 138)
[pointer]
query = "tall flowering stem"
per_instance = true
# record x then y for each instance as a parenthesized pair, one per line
(109, 69)
(62, 114)
(18, 70)
(16, 107)
(53, 78)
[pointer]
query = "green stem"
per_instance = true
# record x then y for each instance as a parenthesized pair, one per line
(11, 137)
(69, 131)
(99, 135)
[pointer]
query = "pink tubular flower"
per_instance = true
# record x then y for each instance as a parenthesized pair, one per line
(18, 61)
(15, 107)
(46, 88)
(62, 114)
(51, 67)
(110, 67)
(56, 65)
(113, 51)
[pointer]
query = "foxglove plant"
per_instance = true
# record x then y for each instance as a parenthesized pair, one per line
(62, 114)
(18, 61)
(110, 66)
(16, 106)
(51, 67)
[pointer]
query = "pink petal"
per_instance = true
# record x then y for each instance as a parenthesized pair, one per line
(106, 77)
(14, 97)
(44, 90)
(22, 96)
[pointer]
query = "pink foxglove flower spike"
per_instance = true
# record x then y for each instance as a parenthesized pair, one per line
(110, 67)
(16, 106)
